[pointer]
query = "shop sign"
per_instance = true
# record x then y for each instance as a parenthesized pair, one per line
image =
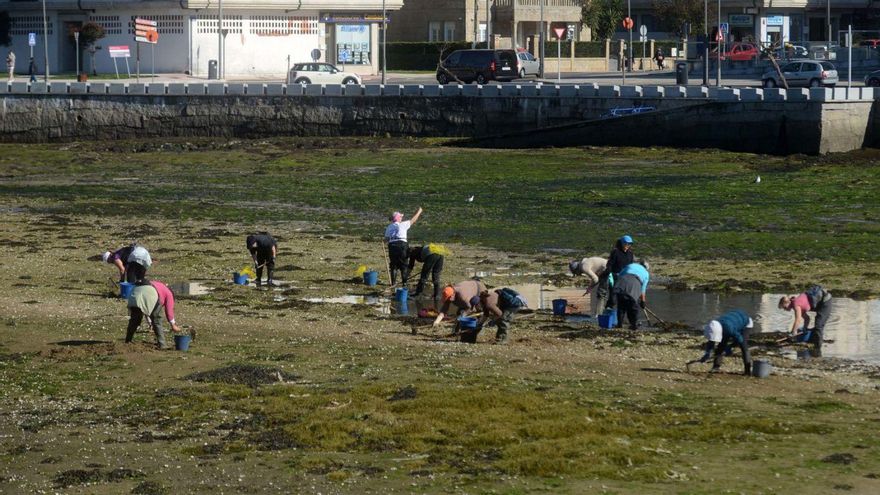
(747, 20)
(775, 20)
(352, 18)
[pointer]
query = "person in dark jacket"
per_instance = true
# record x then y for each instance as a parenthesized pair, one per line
(263, 249)
(32, 70)
(621, 256)
(432, 264)
(630, 290)
(119, 258)
(722, 332)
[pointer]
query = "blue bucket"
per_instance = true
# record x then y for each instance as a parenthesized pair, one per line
(559, 306)
(804, 337)
(371, 278)
(608, 320)
(467, 323)
(125, 289)
(239, 279)
(401, 294)
(181, 342)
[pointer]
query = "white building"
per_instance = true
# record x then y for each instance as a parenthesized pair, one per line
(260, 34)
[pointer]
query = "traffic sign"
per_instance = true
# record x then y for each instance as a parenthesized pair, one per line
(145, 31)
(121, 51)
(560, 32)
(643, 39)
(725, 27)
(344, 55)
(571, 28)
(643, 30)
(32, 39)
(628, 24)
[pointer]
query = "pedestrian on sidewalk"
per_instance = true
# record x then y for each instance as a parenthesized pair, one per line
(32, 70)
(10, 64)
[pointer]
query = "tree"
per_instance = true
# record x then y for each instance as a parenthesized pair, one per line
(89, 34)
(602, 16)
(673, 14)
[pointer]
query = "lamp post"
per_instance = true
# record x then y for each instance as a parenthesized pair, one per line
(45, 42)
(828, 16)
(720, 39)
(384, 28)
(630, 51)
(220, 65)
(488, 26)
(541, 42)
(705, 42)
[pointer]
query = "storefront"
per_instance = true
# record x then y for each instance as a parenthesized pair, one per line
(742, 27)
(354, 39)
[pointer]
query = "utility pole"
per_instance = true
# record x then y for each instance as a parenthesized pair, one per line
(541, 42)
(705, 42)
(476, 24)
(384, 28)
(720, 40)
(45, 42)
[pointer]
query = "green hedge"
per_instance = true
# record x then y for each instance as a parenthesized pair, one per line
(405, 55)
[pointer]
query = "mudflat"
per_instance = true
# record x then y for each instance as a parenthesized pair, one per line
(281, 394)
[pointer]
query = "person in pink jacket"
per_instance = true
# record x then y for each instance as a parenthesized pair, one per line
(147, 299)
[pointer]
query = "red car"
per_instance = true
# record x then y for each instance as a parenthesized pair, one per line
(739, 52)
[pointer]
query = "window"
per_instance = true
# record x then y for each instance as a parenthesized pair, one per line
(453, 59)
(110, 23)
(434, 31)
(353, 44)
(22, 25)
(273, 25)
(483, 33)
(173, 24)
(449, 31)
(791, 67)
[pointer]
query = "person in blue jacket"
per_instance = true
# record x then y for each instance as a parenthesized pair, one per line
(629, 291)
(722, 332)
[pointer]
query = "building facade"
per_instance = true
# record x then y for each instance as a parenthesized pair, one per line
(511, 23)
(776, 21)
(262, 37)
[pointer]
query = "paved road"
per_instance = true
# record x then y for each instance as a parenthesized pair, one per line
(654, 78)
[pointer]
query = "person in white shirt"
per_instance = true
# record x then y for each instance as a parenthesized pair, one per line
(398, 248)
(594, 268)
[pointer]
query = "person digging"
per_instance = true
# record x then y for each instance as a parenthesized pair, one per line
(148, 299)
(499, 306)
(432, 264)
(465, 296)
(722, 332)
(263, 248)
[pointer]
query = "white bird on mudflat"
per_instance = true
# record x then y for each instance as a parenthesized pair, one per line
(758, 179)
(471, 199)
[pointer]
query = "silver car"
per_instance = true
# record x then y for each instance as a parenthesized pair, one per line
(527, 63)
(804, 73)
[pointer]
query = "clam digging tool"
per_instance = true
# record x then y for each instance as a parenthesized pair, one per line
(387, 264)
(648, 311)
(789, 338)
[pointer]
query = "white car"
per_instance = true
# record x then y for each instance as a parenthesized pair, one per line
(527, 63)
(321, 73)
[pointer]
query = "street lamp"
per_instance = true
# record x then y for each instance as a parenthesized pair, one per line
(221, 66)
(541, 41)
(384, 28)
(45, 42)
(629, 16)
(720, 39)
(828, 16)
(705, 42)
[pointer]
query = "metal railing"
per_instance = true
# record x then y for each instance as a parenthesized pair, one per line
(537, 3)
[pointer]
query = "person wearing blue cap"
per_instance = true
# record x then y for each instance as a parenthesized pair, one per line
(621, 256)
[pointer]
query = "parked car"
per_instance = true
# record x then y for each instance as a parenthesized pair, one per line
(528, 64)
(874, 44)
(806, 73)
(873, 79)
(321, 73)
(792, 52)
(739, 52)
(479, 66)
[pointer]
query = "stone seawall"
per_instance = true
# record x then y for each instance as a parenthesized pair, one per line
(39, 118)
(819, 120)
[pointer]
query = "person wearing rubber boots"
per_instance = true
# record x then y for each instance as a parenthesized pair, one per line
(147, 299)
(263, 248)
(816, 299)
(398, 248)
(594, 268)
(731, 327)
(629, 291)
(432, 264)
(499, 306)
